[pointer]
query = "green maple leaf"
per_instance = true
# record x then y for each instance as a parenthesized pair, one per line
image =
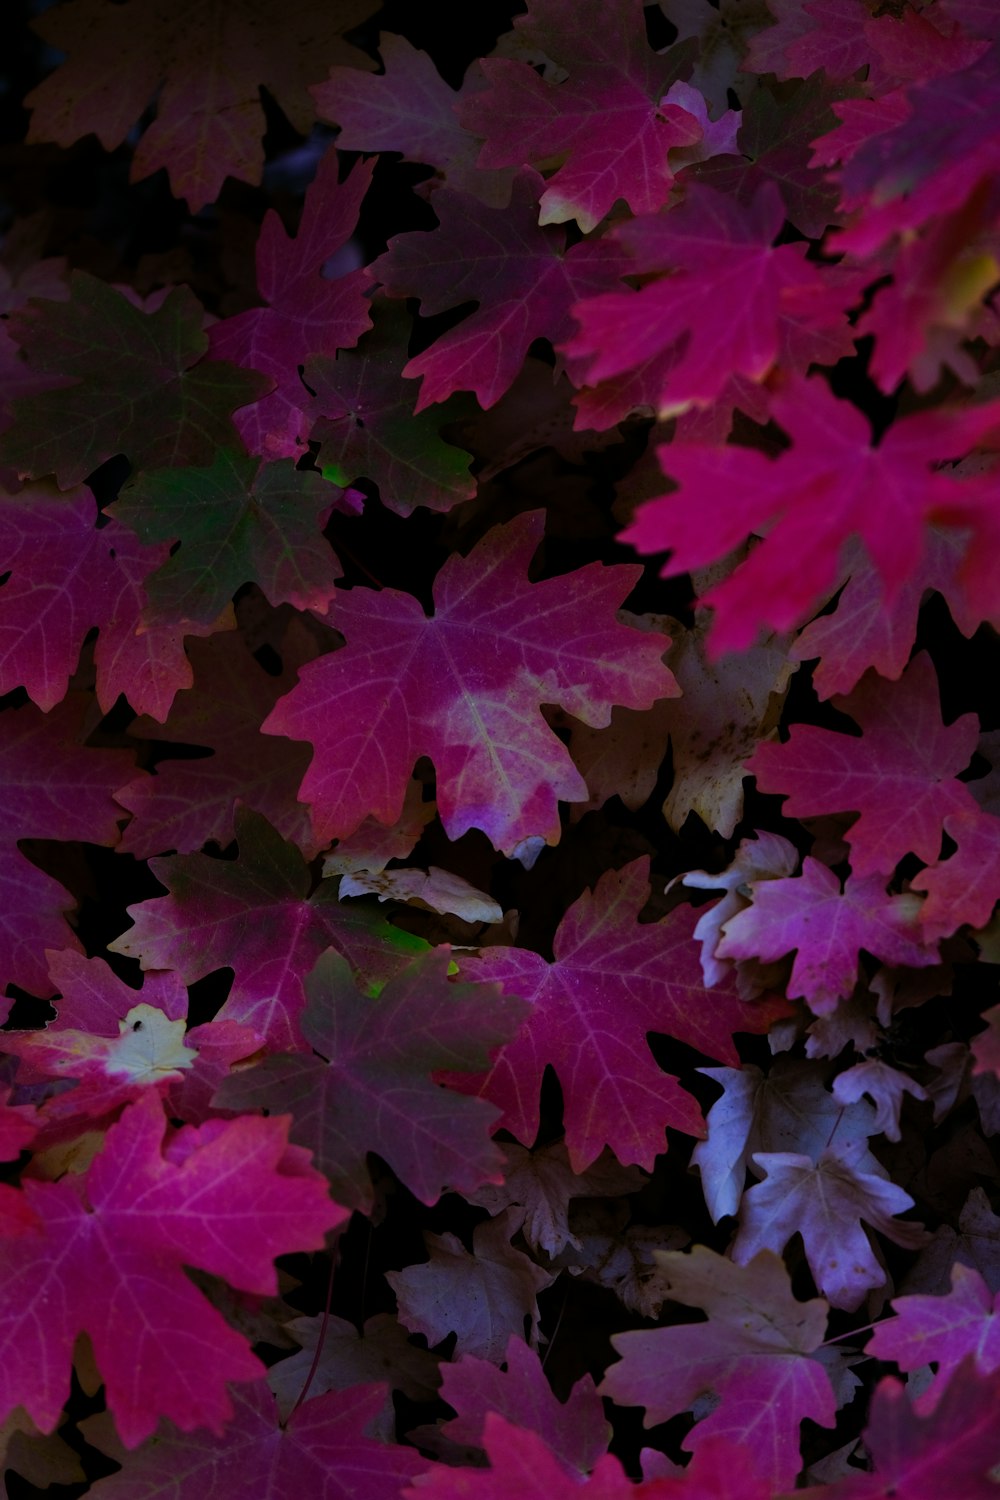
(237, 521)
(129, 382)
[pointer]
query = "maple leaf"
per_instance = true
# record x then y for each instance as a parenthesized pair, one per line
(431, 890)
(574, 1431)
(951, 1452)
(966, 886)
(729, 707)
(883, 1084)
(765, 856)
(866, 631)
(825, 1202)
(771, 146)
(606, 964)
(255, 915)
(322, 1450)
(789, 1108)
(723, 303)
(381, 1350)
(236, 521)
(464, 687)
(66, 577)
(305, 314)
(147, 1208)
(607, 123)
(410, 109)
(520, 273)
(830, 485)
(116, 1042)
(899, 776)
(368, 1084)
(826, 927)
(484, 1297)
(53, 789)
(366, 427)
(818, 34)
(942, 1331)
(522, 1467)
(186, 803)
(204, 66)
(753, 1354)
(139, 384)
(929, 162)
(540, 1185)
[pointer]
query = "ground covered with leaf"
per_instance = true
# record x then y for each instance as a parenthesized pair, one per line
(500, 752)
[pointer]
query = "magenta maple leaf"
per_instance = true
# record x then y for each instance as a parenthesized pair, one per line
(66, 577)
(607, 122)
(522, 276)
(204, 68)
(952, 1452)
(187, 803)
(826, 927)
(722, 308)
(830, 485)
(367, 1085)
(256, 916)
(753, 1353)
(613, 981)
(130, 382)
(306, 314)
(574, 1431)
(942, 1331)
(410, 109)
(865, 631)
(53, 789)
(145, 1209)
(322, 1451)
(809, 35)
(465, 688)
(523, 1468)
(899, 776)
(966, 886)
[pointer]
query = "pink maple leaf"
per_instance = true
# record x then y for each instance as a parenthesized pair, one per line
(753, 1353)
(951, 1452)
(810, 35)
(521, 274)
(607, 122)
(720, 308)
(825, 1202)
(322, 1451)
(831, 484)
(114, 1242)
(204, 67)
(465, 688)
(66, 577)
(899, 776)
(865, 631)
(965, 887)
(367, 1085)
(256, 916)
(826, 927)
(942, 1331)
(306, 314)
(53, 789)
(521, 1468)
(613, 981)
